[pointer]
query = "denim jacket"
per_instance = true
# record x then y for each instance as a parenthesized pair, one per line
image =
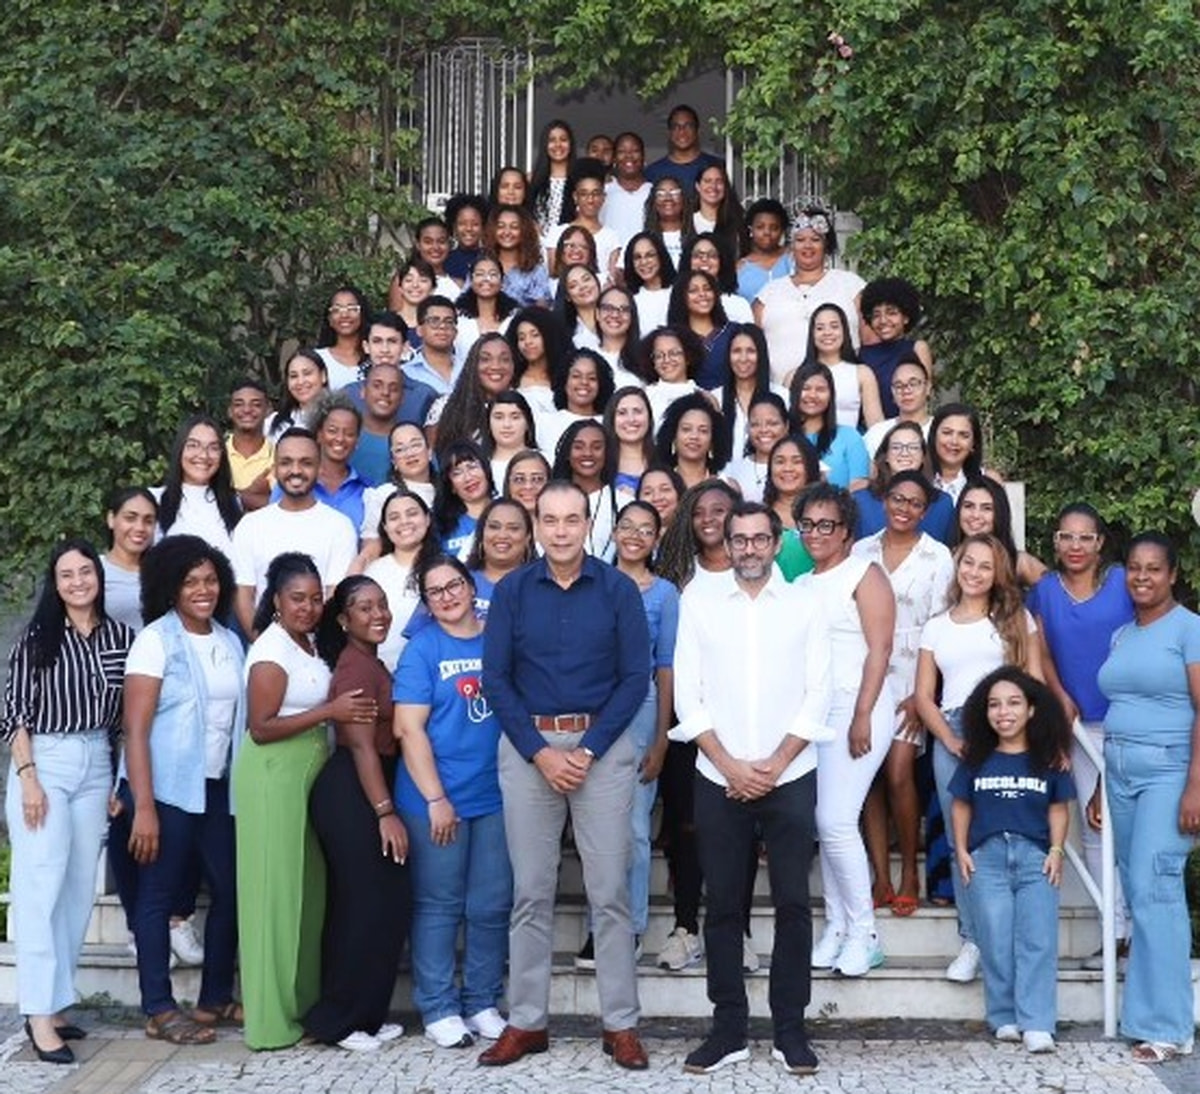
(177, 733)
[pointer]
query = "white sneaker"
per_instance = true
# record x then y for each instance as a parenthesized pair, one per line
(1038, 1040)
(389, 1031)
(826, 951)
(860, 954)
(965, 967)
(449, 1032)
(1009, 1034)
(682, 950)
(186, 944)
(750, 961)
(359, 1041)
(487, 1024)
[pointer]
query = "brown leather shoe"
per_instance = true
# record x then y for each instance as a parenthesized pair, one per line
(625, 1049)
(514, 1043)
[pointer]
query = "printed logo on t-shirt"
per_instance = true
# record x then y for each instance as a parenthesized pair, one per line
(1010, 786)
(468, 686)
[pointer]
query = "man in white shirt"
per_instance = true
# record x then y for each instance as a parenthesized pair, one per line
(752, 669)
(296, 522)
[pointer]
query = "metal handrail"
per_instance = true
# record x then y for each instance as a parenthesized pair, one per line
(1103, 896)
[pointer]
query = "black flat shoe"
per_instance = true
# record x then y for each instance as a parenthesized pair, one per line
(60, 1055)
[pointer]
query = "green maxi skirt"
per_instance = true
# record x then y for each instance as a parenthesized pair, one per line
(281, 885)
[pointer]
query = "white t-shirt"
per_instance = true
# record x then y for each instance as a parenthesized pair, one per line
(320, 531)
(340, 375)
(375, 496)
(198, 516)
(737, 308)
(652, 305)
(965, 653)
(222, 681)
(308, 676)
(662, 394)
(624, 211)
(607, 242)
(788, 307)
(551, 427)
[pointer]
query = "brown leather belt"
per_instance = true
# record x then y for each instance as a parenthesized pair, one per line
(561, 723)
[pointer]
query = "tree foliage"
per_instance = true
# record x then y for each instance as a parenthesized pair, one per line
(1033, 168)
(180, 186)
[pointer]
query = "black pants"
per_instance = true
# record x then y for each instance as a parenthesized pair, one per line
(725, 829)
(368, 906)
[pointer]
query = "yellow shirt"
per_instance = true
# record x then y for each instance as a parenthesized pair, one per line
(246, 469)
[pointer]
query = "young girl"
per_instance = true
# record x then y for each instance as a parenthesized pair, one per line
(1010, 822)
(854, 385)
(305, 380)
(510, 429)
(766, 256)
(340, 339)
(649, 275)
(581, 392)
(548, 181)
(511, 234)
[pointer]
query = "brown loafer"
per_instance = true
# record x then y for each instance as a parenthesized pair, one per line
(514, 1043)
(626, 1049)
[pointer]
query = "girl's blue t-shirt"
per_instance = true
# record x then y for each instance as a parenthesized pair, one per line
(444, 673)
(1006, 795)
(846, 457)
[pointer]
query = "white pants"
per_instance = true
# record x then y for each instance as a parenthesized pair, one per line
(842, 786)
(54, 866)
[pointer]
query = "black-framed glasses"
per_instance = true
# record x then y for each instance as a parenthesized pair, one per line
(443, 592)
(823, 527)
(905, 502)
(760, 541)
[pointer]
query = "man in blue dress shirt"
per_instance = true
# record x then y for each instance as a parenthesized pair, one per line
(565, 667)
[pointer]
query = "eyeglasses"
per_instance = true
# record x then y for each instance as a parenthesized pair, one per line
(444, 592)
(465, 468)
(642, 531)
(706, 255)
(484, 275)
(1076, 539)
(345, 309)
(822, 527)
(209, 448)
(668, 355)
(908, 385)
(534, 479)
(660, 194)
(760, 541)
(905, 448)
(409, 448)
(905, 502)
(615, 309)
(438, 322)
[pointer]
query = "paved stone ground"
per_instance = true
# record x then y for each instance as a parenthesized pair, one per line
(876, 1058)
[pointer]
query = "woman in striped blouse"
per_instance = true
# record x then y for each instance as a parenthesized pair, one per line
(61, 705)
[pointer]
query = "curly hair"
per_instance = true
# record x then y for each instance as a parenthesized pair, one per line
(166, 565)
(1047, 734)
(678, 550)
(604, 379)
(718, 453)
(896, 291)
(464, 417)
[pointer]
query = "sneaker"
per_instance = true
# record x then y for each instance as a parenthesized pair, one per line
(389, 1031)
(714, 1053)
(449, 1032)
(859, 955)
(750, 961)
(1095, 962)
(1038, 1040)
(825, 952)
(487, 1024)
(586, 957)
(186, 944)
(796, 1055)
(681, 951)
(965, 967)
(1008, 1034)
(359, 1041)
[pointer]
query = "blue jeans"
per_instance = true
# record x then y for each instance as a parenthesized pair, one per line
(184, 838)
(1145, 784)
(1016, 923)
(54, 866)
(944, 766)
(466, 882)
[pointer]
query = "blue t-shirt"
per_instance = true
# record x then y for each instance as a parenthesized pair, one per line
(444, 673)
(937, 521)
(458, 542)
(1080, 634)
(1145, 680)
(661, 602)
(421, 618)
(846, 457)
(372, 458)
(1006, 795)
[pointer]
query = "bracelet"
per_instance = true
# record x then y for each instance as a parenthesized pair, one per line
(434, 801)
(27, 764)
(390, 811)
(1056, 850)
(380, 804)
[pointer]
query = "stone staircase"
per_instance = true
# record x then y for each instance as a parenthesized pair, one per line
(911, 984)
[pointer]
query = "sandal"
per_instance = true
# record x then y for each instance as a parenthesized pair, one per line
(176, 1028)
(886, 900)
(228, 1014)
(904, 906)
(1160, 1052)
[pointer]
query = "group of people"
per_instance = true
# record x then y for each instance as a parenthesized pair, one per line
(621, 499)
